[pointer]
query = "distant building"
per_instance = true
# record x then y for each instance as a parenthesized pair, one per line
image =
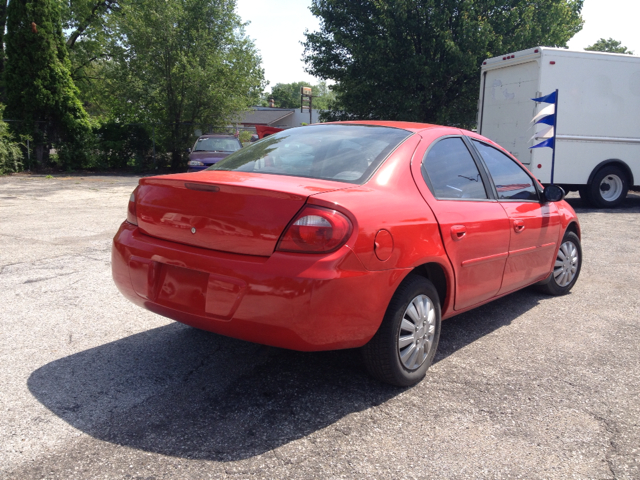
(276, 117)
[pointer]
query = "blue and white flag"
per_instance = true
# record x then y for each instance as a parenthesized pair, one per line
(547, 116)
(548, 110)
(548, 132)
(551, 98)
(549, 142)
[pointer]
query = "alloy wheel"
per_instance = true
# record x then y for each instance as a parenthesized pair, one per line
(417, 332)
(566, 266)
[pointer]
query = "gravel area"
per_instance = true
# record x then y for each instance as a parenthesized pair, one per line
(93, 387)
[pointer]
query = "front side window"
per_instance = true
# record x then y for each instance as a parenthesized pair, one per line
(511, 181)
(452, 172)
(346, 153)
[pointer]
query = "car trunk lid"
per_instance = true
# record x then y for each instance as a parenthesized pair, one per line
(233, 212)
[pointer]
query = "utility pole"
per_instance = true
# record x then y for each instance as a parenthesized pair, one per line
(306, 101)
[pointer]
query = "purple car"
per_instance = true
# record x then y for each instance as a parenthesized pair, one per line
(210, 149)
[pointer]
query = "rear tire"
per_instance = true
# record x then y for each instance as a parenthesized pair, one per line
(566, 269)
(609, 187)
(404, 346)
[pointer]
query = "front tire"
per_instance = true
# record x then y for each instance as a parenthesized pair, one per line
(609, 187)
(566, 268)
(404, 346)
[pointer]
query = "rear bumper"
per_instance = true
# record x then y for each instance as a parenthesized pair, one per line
(296, 301)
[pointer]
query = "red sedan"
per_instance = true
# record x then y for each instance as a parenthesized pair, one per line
(353, 234)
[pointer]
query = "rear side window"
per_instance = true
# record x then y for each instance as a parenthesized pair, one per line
(346, 153)
(511, 181)
(451, 171)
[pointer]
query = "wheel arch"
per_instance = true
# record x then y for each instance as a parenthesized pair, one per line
(575, 228)
(614, 162)
(437, 274)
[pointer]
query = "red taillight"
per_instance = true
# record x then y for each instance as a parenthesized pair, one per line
(316, 230)
(131, 208)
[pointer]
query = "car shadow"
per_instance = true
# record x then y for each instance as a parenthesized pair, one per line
(631, 204)
(182, 392)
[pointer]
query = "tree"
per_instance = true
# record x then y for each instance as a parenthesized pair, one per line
(90, 28)
(323, 95)
(40, 91)
(3, 26)
(419, 60)
(611, 46)
(179, 63)
(287, 95)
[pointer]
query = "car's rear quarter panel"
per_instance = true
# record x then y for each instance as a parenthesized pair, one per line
(391, 201)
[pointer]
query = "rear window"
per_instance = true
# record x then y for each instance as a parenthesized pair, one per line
(345, 153)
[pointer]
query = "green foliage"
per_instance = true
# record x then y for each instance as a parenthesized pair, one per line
(111, 145)
(245, 136)
(141, 68)
(418, 60)
(610, 45)
(40, 91)
(287, 95)
(10, 151)
(177, 63)
(3, 27)
(77, 154)
(123, 146)
(90, 26)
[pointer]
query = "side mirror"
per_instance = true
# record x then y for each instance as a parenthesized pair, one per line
(188, 150)
(553, 193)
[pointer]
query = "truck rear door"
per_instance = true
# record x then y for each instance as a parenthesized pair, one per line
(506, 108)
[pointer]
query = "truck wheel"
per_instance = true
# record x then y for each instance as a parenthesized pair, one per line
(609, 187)
(403, 348)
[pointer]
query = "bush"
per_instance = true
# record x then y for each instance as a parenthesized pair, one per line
(245, 136)
(123, 146)
(111, 145)
(10, 152)
(81, 153)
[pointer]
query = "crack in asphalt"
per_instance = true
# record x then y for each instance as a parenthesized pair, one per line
(612, 433)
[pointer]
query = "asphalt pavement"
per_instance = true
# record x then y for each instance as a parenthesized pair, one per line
(93, 387)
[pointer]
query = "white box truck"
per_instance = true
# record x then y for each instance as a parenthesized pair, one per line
(597, 147)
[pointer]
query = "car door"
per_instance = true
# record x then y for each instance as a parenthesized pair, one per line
(474, 227)
(535, 226)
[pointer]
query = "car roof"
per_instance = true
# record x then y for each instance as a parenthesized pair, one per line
(410, 126)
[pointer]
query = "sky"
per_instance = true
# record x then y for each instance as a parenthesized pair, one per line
(617, 19)
(277, 28)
